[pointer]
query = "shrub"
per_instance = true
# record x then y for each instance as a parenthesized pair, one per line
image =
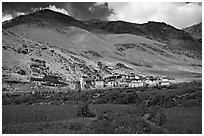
(127, 98)
(162, 118)
(83, 110)
(156, 100)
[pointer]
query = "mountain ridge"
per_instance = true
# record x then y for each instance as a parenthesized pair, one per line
(195, 31)
(41, 17)
(158, 31)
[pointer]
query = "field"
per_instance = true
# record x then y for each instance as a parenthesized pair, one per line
(184, 120)
(177, 109)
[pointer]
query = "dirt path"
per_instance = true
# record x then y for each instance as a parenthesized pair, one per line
(73, 120)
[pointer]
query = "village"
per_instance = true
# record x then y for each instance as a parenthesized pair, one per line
(110, 81)
(121, 81)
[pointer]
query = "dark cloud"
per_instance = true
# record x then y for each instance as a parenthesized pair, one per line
(197, 3)
(79, 10)
(90, 10)
(26, 7)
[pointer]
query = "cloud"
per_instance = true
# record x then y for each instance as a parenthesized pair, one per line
(53, 8)
(61, 10)
(178, 14)
(89, 10)
(6, 17)
(198, 3)
(78, 10)
(10, 16)
(36, 9)
(20, 13)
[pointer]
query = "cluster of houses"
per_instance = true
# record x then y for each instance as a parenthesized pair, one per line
(109, 81)
(121, 81)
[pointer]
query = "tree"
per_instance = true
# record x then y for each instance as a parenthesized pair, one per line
(83, 110)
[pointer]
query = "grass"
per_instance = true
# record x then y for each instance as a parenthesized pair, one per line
(184, 120)
(57, 127)
(110, 118)
(101, 108)
(53, 118)
(115, 111)
(14, 114)
(111, 122)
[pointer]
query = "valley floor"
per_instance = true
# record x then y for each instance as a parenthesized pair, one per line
(176, 110)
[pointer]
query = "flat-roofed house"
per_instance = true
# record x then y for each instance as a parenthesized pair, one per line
(89, 83)
(99, 83)
(136, 83)
(111, 81)
(164, 82)
(151, 81)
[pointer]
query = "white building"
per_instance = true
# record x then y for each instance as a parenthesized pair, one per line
(164, 82)
(99, 83)
(136, 83)
(152, 83)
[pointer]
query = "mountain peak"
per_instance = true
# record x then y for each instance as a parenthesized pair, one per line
(158, 24)
(45, 16)
(154, 22)
(49, 12)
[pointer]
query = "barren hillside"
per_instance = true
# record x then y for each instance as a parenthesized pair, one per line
(38, 44)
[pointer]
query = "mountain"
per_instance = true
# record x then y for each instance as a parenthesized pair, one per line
(47, 18)
(195, 31)
(54, 44)
(159, 31)
(117, 27)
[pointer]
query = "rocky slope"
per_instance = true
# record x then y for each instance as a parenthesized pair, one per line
(40, 44)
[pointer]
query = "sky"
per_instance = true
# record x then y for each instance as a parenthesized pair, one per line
(177, 14)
